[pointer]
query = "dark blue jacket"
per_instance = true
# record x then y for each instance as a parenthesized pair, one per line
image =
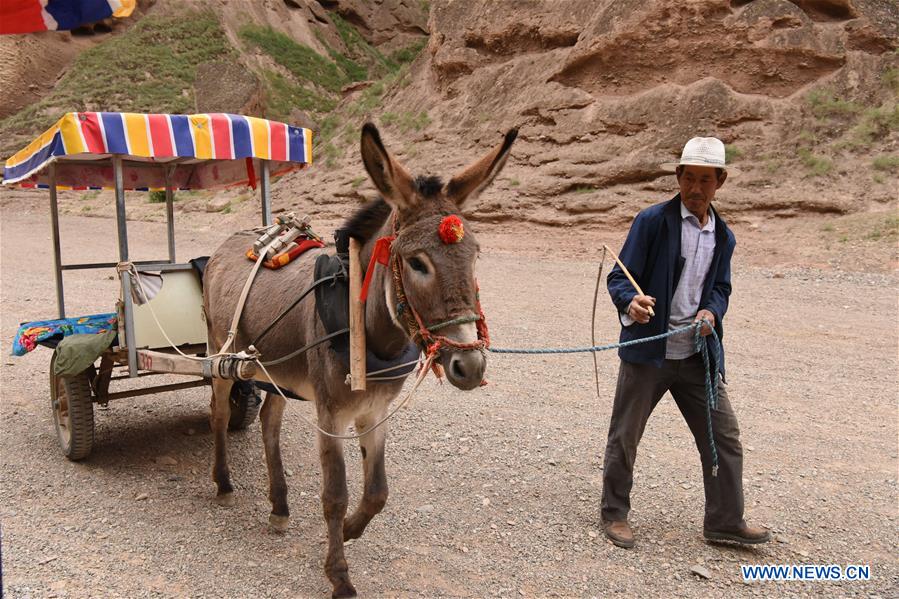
(652, 254)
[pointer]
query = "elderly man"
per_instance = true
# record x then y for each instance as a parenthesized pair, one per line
(679, 253)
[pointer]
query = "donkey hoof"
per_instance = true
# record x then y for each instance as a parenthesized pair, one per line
(278, 524)
(225, 499)
(343, 589)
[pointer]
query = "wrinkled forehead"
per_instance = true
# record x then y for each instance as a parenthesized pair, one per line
(699, 171)
(424, 235)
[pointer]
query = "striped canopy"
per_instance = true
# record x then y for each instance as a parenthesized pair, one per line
(201, 150)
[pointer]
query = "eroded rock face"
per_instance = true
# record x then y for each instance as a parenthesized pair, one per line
(387, 24)
(605, 90)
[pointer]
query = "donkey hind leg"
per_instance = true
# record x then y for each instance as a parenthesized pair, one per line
(221, 413)
(374, 492)
(334, 502)
(271, 415)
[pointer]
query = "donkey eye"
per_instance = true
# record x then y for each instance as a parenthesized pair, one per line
(417, 265)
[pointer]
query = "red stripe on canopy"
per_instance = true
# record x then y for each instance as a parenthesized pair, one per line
(161, 136)
(279, 141)
(221, 136)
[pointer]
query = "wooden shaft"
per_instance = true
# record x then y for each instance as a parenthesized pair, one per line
(177, 364)
(357, 320)
(628, 275)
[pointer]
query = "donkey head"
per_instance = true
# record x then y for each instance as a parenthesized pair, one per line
(436, 250)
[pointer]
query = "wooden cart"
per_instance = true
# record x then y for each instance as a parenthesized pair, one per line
(123, 151)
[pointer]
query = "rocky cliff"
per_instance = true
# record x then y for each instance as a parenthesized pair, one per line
(803, 93)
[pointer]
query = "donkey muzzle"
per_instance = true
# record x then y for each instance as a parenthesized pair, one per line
(464, 368)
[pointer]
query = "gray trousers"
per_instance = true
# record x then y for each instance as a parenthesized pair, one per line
(640, 387)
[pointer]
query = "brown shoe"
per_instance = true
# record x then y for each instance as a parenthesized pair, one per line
(745, 534)
(619, 533)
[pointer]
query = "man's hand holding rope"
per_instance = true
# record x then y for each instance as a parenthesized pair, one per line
(709, 317)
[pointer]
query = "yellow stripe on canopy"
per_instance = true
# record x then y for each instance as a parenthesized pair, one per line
(201, 126)
(136, 131)
(71, 134)
(260, 132)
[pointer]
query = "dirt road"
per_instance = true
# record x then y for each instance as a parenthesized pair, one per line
(494, 492)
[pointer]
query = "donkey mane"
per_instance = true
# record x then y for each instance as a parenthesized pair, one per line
(369, 219)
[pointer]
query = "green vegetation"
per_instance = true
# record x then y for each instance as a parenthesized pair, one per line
(891, 79)
(156, 197)
(406, 121)
(313, 83)
(360, 50)
(282, 96)
(584, 189)
(357, 182)
(824, 104)
(817, 165)
(302, 62)
(408, 54)
(730, 153)
(149, 68)
(886, 163)
(807, 137)
(514, 182)
(889, 229)
(844, 125)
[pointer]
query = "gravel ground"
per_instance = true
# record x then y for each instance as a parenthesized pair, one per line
(493, 492)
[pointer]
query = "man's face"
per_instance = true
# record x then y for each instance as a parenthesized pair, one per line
(698, 185)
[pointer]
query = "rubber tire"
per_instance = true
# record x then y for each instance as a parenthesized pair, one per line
(72, 407)
(245, 406)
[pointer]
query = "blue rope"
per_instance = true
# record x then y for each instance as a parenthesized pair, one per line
(711, 390)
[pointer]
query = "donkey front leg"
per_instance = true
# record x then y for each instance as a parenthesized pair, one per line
(374, 493)
(221, 412)
(334, 503)
(271, 415)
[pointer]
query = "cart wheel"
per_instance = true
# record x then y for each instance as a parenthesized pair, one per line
(245, 402)
(73, 412)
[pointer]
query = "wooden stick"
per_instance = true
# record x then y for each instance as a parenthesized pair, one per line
(629, 277)
(357, 320)
(155, 361)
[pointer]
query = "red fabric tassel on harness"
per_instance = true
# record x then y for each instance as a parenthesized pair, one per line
(380, 255)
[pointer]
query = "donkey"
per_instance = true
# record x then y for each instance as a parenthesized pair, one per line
(438, 286)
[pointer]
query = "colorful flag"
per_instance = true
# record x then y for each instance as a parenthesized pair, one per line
(28, 16)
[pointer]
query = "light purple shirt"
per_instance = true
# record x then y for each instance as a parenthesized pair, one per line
(697, 247)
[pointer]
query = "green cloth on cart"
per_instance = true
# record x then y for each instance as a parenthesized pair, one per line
(76, 352)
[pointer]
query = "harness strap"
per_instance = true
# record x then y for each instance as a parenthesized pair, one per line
(306, 347)
(311, 288)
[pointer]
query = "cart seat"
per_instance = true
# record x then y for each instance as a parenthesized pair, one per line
(179, 307)
(50, 332)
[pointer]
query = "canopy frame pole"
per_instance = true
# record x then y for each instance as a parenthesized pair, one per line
(57, 248)
(170, 211)
(122, 227)
(266, 192)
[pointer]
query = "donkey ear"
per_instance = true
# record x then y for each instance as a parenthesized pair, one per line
(474, 179)
(388, 175)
